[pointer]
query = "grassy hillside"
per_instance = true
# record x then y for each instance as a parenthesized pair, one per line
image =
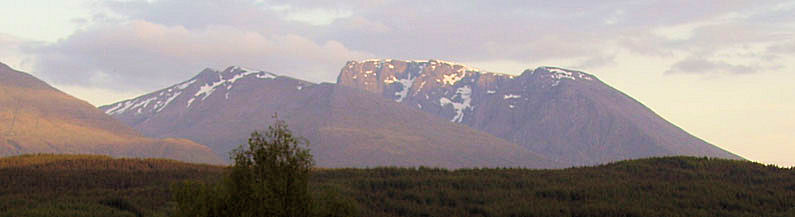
(90, 185)
(37, 118)
(79, 185)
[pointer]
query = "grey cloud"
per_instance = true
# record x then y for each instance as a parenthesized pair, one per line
(143, 55)
(703, 66)
(251, 15)
(9, 44)
(191, 13)
(471, 31)
(12, 54)
(597, 61)
(159, 42)
(528, 30)
(783, 48)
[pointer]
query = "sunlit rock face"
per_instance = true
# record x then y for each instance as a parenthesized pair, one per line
(566, 115)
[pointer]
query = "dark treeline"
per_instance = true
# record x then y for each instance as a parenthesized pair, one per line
(89, 185)
(69, 185)
(671, 186)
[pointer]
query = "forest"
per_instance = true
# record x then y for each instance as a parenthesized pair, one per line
(90, 185)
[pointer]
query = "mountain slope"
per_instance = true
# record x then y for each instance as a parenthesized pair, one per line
(37, 118)
(569, 116)
(347, 127)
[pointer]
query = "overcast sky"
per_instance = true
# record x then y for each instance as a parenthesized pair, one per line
(722, 70)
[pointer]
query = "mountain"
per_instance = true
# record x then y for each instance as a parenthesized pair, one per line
(347, 127)
(37, 118)
(566, 115)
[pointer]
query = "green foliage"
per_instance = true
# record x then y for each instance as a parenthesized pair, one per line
(270, 177)
(670, 186)
(67, 208)
(90, 185)
(121, 204)
(329, 202)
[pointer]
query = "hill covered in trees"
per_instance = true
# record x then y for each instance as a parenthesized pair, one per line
(91, 185)
(82, 185)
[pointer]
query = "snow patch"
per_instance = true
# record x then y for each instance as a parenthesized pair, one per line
(511, 96)
(565, 74)
(420, 88)
(561, 74)
(156, 103)
(406, 85)
(142, 104)
(208, 89)
(390, 80)
(239, 76)
(265, 75)
(113, 109)
(185, 84)
(160, 107)
(465, 95)
(451, 79)
(190, 101)
(124, 107)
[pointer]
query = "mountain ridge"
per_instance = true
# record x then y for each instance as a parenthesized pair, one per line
(351, 128)
(566, 114)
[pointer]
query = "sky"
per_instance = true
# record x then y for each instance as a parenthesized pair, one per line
(722, 69)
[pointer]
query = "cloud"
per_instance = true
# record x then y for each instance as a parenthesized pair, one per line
(695, 65)
(193, 14)
(311, 16)
(144, 55)
(11, 52)
(522, 31)
(597, 61)
(787, 48)
(137, 44)
(363, 25)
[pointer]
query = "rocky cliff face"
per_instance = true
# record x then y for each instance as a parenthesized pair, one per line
(347, 127)
(569, 116)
